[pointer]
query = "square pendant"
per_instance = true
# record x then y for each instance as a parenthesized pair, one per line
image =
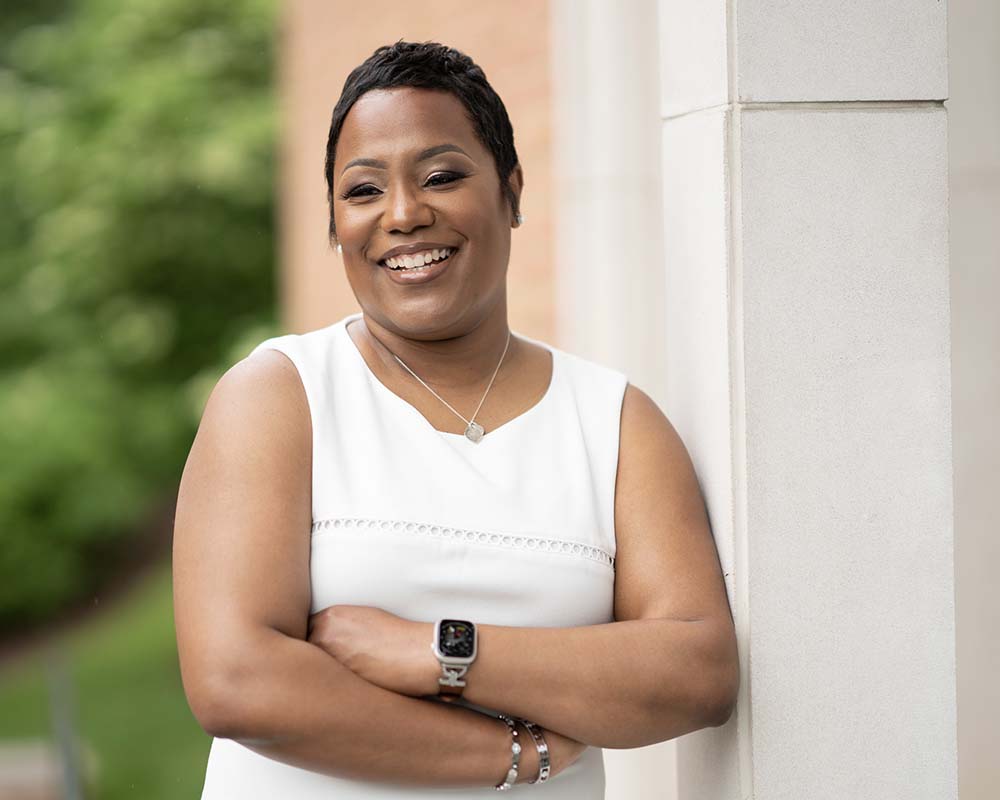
(474, 431)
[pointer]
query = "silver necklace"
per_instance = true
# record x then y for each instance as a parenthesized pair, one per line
(473, 430)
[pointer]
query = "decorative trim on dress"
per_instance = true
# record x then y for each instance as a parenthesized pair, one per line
(510, 540)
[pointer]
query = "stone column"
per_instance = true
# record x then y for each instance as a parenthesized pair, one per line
(808, 371)
(974, 184)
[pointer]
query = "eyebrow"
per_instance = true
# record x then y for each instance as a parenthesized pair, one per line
(423, 155)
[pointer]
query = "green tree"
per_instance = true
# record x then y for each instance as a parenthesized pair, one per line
(137, 150)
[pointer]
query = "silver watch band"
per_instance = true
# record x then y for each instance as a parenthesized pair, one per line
(452, 674)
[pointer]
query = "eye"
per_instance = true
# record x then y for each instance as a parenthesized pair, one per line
(441, 178)
(358, 191)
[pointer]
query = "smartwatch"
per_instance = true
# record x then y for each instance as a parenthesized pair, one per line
(455, 643)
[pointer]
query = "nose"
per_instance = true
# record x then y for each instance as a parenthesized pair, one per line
(405, 209)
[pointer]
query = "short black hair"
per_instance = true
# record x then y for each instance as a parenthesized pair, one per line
(430, 65)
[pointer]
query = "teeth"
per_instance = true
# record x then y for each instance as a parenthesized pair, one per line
(417, 260)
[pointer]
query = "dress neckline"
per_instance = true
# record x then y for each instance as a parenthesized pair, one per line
(410, 408)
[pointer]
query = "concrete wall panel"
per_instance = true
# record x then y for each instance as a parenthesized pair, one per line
(803, 50)
(849, 514)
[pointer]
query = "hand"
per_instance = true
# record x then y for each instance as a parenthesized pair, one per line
(384, 649)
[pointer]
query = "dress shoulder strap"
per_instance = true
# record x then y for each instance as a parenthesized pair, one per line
(596, 392)
(311, 354)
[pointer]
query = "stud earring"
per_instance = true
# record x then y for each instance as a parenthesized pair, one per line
(520, 219)
(340, 250)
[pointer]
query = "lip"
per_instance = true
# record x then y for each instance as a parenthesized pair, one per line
(416, 247)
(422, 275)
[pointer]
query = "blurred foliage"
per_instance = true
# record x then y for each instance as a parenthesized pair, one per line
(137, 736)
(137, 149)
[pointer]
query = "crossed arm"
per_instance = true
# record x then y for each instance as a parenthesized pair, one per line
(251, 672)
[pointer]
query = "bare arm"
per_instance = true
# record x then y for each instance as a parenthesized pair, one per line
(241, 603)
(302, 707)
(618, 685)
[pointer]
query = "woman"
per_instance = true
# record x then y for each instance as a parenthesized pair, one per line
(378, 596)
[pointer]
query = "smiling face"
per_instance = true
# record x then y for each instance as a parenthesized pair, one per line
(409, 169)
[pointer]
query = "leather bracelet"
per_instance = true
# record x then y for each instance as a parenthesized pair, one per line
(543, 750)
(515, 755)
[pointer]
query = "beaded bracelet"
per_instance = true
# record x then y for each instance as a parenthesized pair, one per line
(515, 753)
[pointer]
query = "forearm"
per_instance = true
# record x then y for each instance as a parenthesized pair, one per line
(299, 705)
(615, 685)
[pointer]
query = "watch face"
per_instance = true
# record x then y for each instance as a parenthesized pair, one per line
(457, 638)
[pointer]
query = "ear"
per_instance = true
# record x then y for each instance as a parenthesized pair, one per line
(516, 183)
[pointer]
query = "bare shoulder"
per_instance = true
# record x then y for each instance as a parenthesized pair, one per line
(254, 442)
(666, 561)
(649, 443)
(260, 384)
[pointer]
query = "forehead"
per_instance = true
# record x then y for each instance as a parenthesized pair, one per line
(386, 122)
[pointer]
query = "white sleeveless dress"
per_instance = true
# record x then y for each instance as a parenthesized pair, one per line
(517, 529)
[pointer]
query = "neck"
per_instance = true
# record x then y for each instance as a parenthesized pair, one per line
(463, 362)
